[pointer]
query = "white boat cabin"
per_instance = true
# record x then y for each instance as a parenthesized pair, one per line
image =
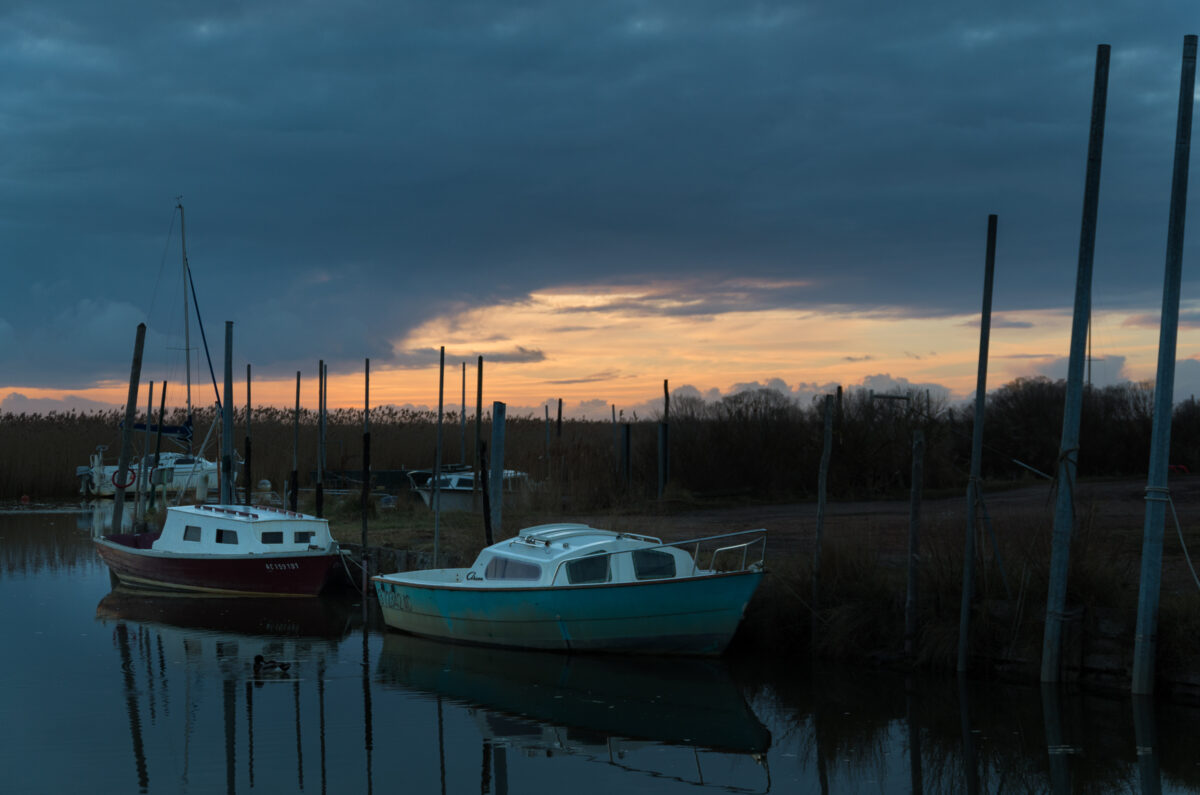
(241, 530)
(575, 554)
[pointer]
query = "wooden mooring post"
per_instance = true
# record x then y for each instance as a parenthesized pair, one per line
(496, 486)
(249, 489)
(162, 411)
(320, 490)
(227, 493)
(366, 471)
(294, 488)
(143, 478)
(973, 499)
(1064, 510)
(822, 482)
(478, 462)
(435, 487)
(914, 543)
(135, 376)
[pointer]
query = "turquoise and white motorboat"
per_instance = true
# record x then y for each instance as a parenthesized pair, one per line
(571, 587)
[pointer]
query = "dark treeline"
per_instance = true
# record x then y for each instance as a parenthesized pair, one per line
(756, 445)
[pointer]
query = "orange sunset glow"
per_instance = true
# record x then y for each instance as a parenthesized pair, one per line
(613, 346)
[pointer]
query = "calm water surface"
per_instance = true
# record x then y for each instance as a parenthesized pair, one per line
(107, 690)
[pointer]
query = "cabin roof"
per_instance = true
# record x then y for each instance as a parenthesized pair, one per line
(564, 539)
(242, 513)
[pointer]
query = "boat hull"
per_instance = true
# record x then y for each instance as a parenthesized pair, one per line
(296, 574)
(693, 615)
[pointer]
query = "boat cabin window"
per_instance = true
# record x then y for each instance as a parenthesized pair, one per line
(500, 568)
(191, 533)
(226, 536)
(593, 568)
(272, 537)
(303, 536)
(653, 564)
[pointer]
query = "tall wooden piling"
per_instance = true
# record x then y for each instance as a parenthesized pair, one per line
(249, 490)
(227, 493)
(320, 490)
(627, 455)
(616, 439)
(497, 468)
(143, 479)
(666, 433)
(914, 542)
(366, 469)
(162, 411)
(475, 486)
(135, 376)
(293, 490)
(985, 325)
(463, 417)
(1064, 513)
(1157, 495)
(435, 486)
(822, 484)
(481, 488)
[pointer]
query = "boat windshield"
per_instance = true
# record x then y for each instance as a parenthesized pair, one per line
(502, 568)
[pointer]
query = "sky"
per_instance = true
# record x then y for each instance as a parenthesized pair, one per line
(595, 197)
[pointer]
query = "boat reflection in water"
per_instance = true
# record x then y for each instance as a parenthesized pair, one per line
(601, 708)
(278, 622)
(175, 648)
(96, 518)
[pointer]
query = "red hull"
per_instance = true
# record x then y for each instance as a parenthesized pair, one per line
(302, 574)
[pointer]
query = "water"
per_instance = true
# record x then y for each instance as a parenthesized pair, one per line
(112, 691)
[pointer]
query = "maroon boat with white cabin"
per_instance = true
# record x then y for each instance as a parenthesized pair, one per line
(227, 549)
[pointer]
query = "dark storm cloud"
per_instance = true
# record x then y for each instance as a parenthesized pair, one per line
(350, 168)
(424, 357)
(608, 375)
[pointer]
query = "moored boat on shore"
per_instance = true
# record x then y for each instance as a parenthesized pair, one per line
(571, 587)
(227, 549)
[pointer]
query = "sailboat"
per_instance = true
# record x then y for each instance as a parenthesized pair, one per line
(177, 471)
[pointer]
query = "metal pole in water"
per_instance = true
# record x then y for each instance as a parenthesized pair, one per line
(135, 375)
(1157, 495)
(985, 325)
(1064, 512)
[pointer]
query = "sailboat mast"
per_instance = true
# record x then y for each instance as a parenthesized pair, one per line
(187, 326)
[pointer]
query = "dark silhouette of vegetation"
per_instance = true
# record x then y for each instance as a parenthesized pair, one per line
(757, 445)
